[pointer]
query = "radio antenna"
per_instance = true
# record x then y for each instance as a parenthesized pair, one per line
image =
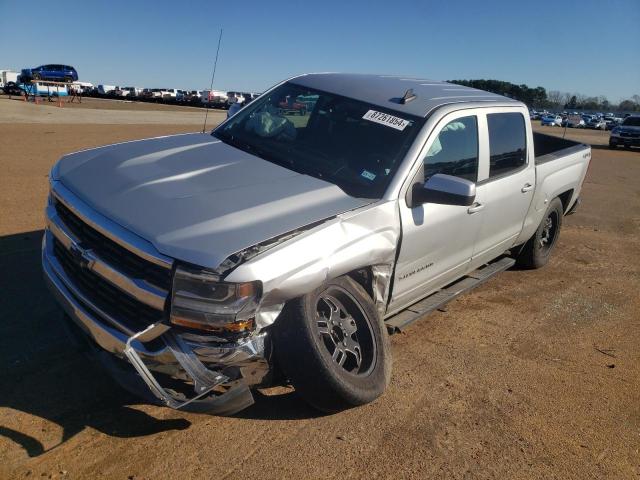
(213, 75)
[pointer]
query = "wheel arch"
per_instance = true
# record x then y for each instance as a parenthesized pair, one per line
(565, 198)
(376, 281)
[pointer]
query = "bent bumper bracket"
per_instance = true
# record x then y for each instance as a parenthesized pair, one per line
(205, 380)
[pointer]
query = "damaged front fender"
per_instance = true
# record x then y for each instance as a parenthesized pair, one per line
(362, 238)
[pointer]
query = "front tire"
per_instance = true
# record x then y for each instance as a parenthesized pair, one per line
(537, 250)
(333, 346)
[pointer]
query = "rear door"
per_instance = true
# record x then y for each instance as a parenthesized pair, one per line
(437, 240)
(506, 187)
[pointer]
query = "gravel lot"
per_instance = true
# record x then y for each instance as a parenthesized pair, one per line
(536, 374)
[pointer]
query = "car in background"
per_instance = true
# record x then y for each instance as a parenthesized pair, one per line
(215, 98)
(12, 88)
(551, 120)
(627, 134)
(51, 72)
(121, 91)
(130, 92)
(596, 123)
(170, 94)
(157, 93)
(145, 93)
(573, 121)
(235, 97)
(612, 121)
(106, 89)
(193, 96)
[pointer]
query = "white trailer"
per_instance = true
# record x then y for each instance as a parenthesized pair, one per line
(7, 76)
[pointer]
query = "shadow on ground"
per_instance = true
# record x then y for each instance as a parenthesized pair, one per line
(43, 374)
(47, 375)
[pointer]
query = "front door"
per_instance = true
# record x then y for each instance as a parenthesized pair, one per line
(437, 240)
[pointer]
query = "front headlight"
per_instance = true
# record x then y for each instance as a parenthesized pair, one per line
(201, 301)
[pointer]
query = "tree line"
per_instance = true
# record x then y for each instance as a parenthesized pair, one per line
(538, 97)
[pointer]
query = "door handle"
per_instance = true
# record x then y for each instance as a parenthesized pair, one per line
(476, 207)
(527, 187)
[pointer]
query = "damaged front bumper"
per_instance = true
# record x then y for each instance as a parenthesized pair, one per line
(180, 372)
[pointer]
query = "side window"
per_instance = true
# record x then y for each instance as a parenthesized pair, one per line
(507, 143)
(455, 151)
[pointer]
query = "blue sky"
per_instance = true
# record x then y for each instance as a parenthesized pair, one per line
(582, 46)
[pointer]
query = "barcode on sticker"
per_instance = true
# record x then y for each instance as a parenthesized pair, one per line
(386, 119)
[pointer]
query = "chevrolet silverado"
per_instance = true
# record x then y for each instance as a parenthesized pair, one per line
(286, 245)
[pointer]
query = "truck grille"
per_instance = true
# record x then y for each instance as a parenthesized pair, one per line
(113, 253)
(117, 304)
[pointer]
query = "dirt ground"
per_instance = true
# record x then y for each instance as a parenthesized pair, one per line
(536, 374)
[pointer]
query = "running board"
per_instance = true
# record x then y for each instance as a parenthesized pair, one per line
(406, 317)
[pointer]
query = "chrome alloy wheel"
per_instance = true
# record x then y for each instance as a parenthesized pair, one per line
(345, 331)
(549, 231)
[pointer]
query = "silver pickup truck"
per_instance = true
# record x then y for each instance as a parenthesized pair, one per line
(287, 244)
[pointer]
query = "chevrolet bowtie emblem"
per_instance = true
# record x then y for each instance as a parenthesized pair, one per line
(81, 256)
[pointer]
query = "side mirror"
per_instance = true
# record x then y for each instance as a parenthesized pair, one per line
(444, 190)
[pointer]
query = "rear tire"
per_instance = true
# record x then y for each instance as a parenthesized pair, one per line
(537, 250)
(333, 346)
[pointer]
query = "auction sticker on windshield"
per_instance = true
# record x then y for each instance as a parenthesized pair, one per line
(386, 119)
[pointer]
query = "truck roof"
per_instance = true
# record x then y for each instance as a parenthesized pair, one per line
(388, 90)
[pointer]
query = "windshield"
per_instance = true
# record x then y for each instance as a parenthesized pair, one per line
(632, 122)
(352, 144)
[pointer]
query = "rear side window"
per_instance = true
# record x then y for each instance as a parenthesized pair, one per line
(455, 151)
(507, 143)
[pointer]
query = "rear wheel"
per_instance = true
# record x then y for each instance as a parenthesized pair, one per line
(537, 250)
(333, 346)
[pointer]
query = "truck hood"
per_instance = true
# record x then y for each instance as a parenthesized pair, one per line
(196, 198)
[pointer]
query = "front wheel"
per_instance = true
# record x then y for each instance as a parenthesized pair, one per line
(333, 347)
(537, 250)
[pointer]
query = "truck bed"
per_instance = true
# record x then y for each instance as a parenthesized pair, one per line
(549, 147)
(561, 166)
